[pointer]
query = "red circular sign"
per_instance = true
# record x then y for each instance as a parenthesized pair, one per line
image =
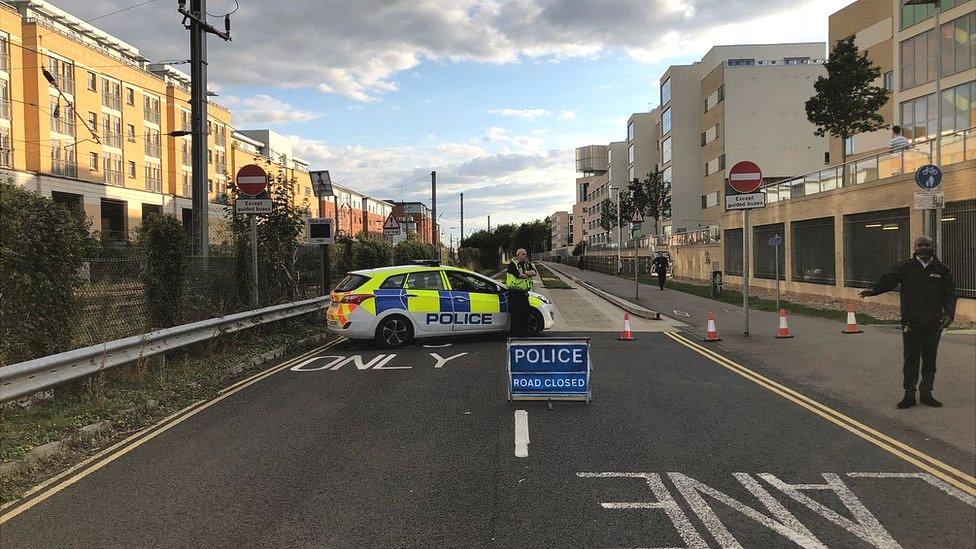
(745, 177)
(251, 180)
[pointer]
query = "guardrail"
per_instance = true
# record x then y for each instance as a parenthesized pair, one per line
(26, 378)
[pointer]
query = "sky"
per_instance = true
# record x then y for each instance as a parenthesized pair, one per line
(492, 94)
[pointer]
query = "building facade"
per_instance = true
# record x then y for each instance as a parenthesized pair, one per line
(561, 239)
(416, 219)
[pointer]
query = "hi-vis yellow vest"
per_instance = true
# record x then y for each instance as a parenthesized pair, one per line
(517, 283)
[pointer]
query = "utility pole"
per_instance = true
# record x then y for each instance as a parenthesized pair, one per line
(461, 241)
(489, 224)
(195, 20)
(433, 208)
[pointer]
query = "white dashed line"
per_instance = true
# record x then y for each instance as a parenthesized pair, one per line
(521, 433)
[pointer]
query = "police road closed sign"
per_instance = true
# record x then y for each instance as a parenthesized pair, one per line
(549, 369)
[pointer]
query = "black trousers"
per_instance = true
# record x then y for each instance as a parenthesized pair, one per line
(921, 341)
(661, 276)
(518, 312)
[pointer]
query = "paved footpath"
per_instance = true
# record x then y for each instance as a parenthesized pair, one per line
(862, 370)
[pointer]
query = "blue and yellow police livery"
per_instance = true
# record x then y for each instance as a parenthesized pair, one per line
(394, 305)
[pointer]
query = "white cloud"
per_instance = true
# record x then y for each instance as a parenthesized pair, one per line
(263, 109)
(495, 134)
(527, 114)
(357, 49)
(567, 115)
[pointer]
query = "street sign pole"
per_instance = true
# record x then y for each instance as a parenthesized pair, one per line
(254, 256)
(636, 282)
(745, 270)
(776, 252)
(325, 274)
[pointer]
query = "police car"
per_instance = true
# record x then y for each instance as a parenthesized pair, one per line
(395, 305)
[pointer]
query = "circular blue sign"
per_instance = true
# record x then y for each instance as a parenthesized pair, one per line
(928, 176)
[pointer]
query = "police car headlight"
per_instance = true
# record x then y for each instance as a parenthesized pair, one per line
(544, 299)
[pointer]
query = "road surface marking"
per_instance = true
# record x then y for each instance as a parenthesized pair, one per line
(927, 463)
(441, 361)
(682, 313)
(521, 433)
(137, 439)
(441, 346)
(941, 485)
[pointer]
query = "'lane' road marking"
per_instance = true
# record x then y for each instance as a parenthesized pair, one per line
(138, 438)
(927, 463)
(521, 433)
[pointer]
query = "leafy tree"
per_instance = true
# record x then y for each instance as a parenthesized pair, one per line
(579, 249)
(370, 253)
(163, 244)
(658, 193)
(409, 250)
(608, 215)
(846, 101)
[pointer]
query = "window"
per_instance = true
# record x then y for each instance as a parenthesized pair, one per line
(111, 94)
(4, 100)
(75, 202)
(812, 250)
(918, 60)
(666, 92)
(918, 116)
(130, 133)
(426, 280)
(470, 283)
(959, 44)
(959, 107)
(130, 96)
(92, 79)
(93, 121)
(733, 251)
(630, 131)
(958, 223)
(393, 282)
(873, 242)
(64, 74)
(631, 174)
(764, 256)
(666, 122)
(849, 145)
(132, 169)
(151, 108)
(889, 80)
(630, 154)
(4, 52)
(796, 60)
(666, 175)
(112, 168)
(911, 15)
(154, 178)
(5, 149)
(741, 62)
(666, 151)
(709, 200)
(93, 161)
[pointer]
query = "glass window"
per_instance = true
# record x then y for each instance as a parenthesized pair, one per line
(93, 161)
(959, 44)
(91, 81)
(630, 154)
(959, 107)
(469, 283)
(764, 255)
(958, 222)
(733, 251)
(911, 15)
(630, 131)
(666, 175)
(812, 250)
(130, 96)
(425, 280)
(741, 62)
(849, 146)
(132, 169)
(666, 92)
(666, 122)
(393, 282)
(889, 80)
(918, 116)
(873, 242)
(666, 151)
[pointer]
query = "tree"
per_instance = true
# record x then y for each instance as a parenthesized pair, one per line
(579, 249)
(608, 215)
(163, 243)
(846, 101)
(658, 192)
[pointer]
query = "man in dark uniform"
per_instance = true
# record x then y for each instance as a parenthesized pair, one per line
(518, 278)
(928, 305)
(661, 268)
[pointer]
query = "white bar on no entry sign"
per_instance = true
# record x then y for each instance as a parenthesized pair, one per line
(754, 176)
(246, 179)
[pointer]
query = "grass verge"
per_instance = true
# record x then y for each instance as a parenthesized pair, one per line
(132, 397)
(550, 280)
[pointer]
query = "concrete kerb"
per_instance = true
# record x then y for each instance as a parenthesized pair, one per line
(630, 307)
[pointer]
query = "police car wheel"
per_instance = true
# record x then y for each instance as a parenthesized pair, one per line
(536, 323)
(394, 331)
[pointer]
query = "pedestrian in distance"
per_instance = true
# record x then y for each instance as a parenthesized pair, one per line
(518, 278)
(579, 261)
(660, 268)
(898, 140)
(928, 306)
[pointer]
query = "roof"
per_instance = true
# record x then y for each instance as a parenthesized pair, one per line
(396, 269)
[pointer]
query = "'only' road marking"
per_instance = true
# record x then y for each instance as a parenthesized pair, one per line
(521, 433)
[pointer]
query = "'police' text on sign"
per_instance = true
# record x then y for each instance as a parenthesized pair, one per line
(549, 369)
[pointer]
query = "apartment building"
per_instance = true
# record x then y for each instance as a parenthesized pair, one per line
(643, 157)
(561, 239)
(592, 163)
(415, 218)
(743, 102)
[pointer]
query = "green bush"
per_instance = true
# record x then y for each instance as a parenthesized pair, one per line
(163, 243)
(409, 250)
(42, 246)
(470, 258)
(369, 253)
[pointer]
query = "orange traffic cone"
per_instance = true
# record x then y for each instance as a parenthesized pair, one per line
(851, 327)
(712, 333)
(626, 335)
(784, 328)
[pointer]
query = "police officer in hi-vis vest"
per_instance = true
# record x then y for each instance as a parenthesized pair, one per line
(519, 281)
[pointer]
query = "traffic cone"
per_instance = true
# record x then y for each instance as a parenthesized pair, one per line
(851, 327)
(626, 335)
(784, 328)
(712, 333)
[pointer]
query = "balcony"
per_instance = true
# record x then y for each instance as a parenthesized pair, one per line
(5, 61)
(113, 177)
(220, 140)
(111, 101)
(956, 147)
(187, 158)
(64, 167)
(62, 125)
(6, 156)
(154, 185)
(152, 149)
(152, 116)
(112, 139)
(5, 109)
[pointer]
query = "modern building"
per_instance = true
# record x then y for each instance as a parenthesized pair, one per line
(561, 235)
(591, 165)
(643, 157)
(355, 212)
(743, 102)
(415, 218)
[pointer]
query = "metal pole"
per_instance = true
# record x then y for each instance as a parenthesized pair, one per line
(745, 270)
(325, 274)
(433, 208)
(937, 217)
(254, 257)
(461, 241)
(198, 125)
(636, 282)
(489, 224)
(620, 233)
(776, 251)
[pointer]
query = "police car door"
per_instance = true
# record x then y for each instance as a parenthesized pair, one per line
(477, 303)
(430, 314)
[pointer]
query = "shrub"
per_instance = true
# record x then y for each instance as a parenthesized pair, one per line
(470, 258)
(369, 253)
(409, 250)
(163, 243)
(42, 246)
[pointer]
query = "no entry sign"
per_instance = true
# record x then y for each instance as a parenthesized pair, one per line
(745, 177)
(251, 180)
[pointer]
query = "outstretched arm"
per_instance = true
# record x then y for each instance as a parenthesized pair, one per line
(888, 281)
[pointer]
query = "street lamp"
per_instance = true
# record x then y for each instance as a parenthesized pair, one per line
(936, 220)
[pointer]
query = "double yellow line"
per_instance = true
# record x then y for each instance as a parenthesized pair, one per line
(77, 472)
(923, 461)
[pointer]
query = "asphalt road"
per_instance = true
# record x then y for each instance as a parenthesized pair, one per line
(418, 451)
